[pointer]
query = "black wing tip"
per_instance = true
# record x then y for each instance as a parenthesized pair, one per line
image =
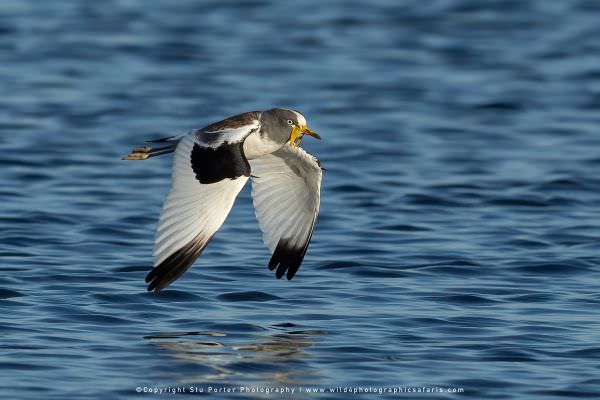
(159, 277)
(152, 286)
(281, 271)
(287, 259)
(176, 264)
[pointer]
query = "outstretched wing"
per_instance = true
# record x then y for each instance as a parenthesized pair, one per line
(286, 188)
(209, 171)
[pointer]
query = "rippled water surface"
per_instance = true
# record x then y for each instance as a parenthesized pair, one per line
(458, 244)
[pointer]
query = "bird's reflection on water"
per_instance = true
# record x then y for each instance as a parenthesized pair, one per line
(275, 357)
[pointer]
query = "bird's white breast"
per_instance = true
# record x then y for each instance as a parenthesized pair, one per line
(256, 146)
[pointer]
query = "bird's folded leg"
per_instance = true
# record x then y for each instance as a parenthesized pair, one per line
(142, 153)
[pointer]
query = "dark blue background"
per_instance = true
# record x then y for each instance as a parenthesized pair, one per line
(458, 239)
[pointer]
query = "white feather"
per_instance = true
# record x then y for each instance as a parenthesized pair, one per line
(215, 139)
(256, 146)
(286, 188)
(192, 208)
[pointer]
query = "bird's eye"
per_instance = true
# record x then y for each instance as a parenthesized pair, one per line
(290, 122)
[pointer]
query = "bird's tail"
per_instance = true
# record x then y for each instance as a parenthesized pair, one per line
(163, 146)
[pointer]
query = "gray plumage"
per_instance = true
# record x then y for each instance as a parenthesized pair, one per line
(275, 125)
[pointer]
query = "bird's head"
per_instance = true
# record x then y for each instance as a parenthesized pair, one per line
(292, 124)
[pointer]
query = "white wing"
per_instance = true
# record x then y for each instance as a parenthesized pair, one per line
(209, 170)
(286, 188)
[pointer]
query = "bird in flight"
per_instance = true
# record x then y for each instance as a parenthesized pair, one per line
(210, 168)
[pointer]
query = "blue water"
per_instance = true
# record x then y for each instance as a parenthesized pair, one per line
(458, 243)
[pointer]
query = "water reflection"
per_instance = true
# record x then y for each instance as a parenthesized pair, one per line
(276, 357)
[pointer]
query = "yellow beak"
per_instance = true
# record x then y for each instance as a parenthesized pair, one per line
(298, 131)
